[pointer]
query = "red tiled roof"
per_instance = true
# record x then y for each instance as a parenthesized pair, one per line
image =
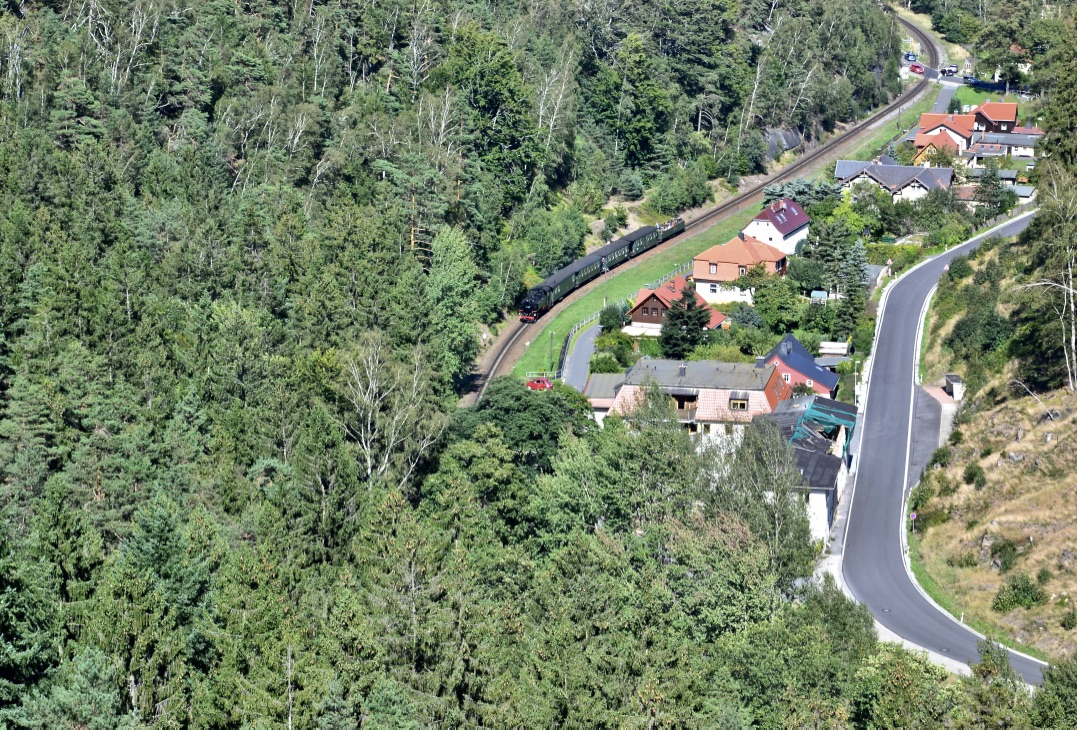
(1033, 130)
(962, 124)
(998, 111)
(785, 215)
(965, 192)
(669, 293)
(940, 140)
(742, 251)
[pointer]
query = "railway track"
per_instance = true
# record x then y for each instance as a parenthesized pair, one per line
(500, 361)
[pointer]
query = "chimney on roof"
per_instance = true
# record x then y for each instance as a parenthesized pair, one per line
(787, 347)
(784, 204)
(741, 235)
(682, 370)
(759, 362)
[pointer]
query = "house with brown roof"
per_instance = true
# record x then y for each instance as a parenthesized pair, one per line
(709, 396)
(995, 116)
(927, 145)
(715, 270)
(782, 224)
(649, 312)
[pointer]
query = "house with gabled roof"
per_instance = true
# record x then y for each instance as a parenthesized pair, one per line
(927, 144)
(958, 128)
(995, 116)
(708, 395)
(782, 224)
(715, 270)
(797, 367)
(649, 311)
(903, 182)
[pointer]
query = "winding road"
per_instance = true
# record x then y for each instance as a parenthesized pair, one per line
(873, 565)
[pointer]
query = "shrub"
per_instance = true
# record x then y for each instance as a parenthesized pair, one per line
(963, 560)
(921, 495)
(1019, 590)
(947, 486)
(605, 362)
(1006, 552)
(863, 337)
(612, 318)
(940, 457)
(960, 268)
(1044, 576)
(956, 437)
(1069, 621)
(974, 474)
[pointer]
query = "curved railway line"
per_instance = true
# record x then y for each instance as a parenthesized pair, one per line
(507, 342)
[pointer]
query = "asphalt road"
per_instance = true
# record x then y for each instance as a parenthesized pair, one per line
(578, 361)
(873, 564)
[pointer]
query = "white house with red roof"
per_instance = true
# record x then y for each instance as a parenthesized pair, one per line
(715, 270)
(782, 224)
(649, 312)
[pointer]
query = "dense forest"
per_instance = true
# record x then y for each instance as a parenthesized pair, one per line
(243, 253)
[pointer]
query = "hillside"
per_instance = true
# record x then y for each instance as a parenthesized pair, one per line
(1005, 505)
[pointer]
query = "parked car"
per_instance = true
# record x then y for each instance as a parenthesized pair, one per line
(540, 384)
(971, 80)
(952, 68)
(948, 72)
(917, 68)
(910, 57)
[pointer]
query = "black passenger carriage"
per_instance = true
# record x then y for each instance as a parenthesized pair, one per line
(582, 270)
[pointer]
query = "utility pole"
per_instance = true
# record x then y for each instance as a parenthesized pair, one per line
(549, 351)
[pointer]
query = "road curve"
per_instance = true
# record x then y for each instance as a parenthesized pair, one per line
(873, 564)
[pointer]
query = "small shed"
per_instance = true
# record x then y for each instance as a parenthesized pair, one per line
(955, 386)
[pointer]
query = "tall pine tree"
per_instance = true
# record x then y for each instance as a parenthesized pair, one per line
(683, 329)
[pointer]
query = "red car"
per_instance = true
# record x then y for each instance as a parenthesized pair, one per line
(540, 384)
(917, 68)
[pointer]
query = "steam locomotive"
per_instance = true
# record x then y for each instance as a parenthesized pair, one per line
(539, 299)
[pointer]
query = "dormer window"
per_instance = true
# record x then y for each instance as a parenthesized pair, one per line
(738, 405)
(743, 270)
(714, 268)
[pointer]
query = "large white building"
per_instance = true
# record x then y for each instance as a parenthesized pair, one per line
(782, 224)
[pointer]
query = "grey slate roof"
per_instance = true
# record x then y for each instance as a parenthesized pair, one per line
(894, 177)
(699, 374)
(604, 385)
(1005, 138)
(1002, 174)
(818, 471)
(1024, 191)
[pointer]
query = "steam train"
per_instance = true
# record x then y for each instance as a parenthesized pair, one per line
(539, 299)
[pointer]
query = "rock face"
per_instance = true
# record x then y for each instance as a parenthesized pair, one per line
(1016, 457)
(1066, 560)
(985, 546)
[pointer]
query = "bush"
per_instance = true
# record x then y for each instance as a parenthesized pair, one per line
(1020, 590)
(612, 318)
(964, 560)
(1006, 552)
(960, 268)
(921, 494)
(1069, 621)
(605, 362)
(863, 337)
(974, 474)
(956, 437)
(1044, 576)
(947, 486)
(940, 457)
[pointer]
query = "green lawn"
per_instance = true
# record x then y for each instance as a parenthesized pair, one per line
(972, 97)
(909, 117)
(620, 285)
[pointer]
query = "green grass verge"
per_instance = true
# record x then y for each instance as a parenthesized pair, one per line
(973, 97)
(941, 597)
(909, 117)
(619, 286)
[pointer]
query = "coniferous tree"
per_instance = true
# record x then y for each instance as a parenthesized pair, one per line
(685, 322)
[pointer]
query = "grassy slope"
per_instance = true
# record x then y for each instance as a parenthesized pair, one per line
(1031, 502)
(1034, 496)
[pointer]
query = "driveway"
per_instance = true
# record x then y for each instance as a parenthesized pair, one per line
(579, 358)
(891, 453)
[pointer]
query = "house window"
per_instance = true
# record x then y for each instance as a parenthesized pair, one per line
(661, 312)
(810, 382)
(714, 268)
(743, 271)
(738, 405)
(785, 377)
(646, 312)
(714, 288)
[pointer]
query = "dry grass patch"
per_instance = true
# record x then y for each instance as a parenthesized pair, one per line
(1027, 499)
